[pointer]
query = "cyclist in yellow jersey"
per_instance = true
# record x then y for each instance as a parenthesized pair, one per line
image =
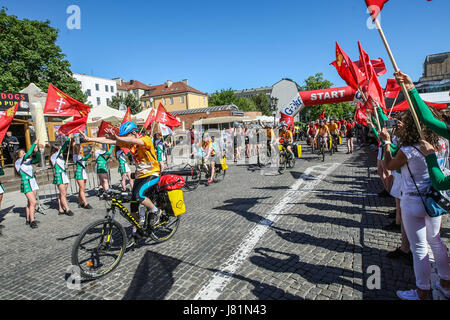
(323, 132)
(287, 137)
(147, 167)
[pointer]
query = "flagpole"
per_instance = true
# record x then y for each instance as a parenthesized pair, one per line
(393, 105)
(402, 84)
(376, 112)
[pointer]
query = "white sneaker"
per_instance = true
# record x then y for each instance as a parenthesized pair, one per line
(408, 295)
(446, 293)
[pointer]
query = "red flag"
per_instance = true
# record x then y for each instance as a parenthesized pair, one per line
(150, 119)
(378, 65)
(347, 69)
(164, 117)
(127, 117)
(370, 83)
(103, 127)
(360, 116)
(6, 117)
(375, 7)
(78, 124)
(405, 106)
(59, 103)
(392, 89)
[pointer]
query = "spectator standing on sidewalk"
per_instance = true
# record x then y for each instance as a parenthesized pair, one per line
(421, 229)
(11, 144)
(24, 169)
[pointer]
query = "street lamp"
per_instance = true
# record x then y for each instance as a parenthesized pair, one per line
(274, 108)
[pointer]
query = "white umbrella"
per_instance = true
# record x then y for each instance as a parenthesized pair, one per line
(103, 113)
(141, 117)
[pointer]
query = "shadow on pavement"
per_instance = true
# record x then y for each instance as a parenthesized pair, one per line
(153, 278)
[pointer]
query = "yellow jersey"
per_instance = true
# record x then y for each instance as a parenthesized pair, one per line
(333, 128)
(145, 157)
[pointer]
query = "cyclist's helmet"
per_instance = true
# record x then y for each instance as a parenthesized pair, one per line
(127, 128)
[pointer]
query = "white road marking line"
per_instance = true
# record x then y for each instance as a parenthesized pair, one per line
(214, 288)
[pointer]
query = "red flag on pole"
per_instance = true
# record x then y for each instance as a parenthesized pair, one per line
(78, 124)
(405, 106)
(127, 117)
(375, 7)
(164, 117)
(347, 69)
(103, 127)
(392, 89)
(6, 117)
(360, 116)
(150, 119)
(60, 104)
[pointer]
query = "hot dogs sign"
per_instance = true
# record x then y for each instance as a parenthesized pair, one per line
(8, 100)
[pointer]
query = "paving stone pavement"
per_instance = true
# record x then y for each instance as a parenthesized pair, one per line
(321, 244)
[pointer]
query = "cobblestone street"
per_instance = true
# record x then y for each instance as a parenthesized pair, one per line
(313, 233)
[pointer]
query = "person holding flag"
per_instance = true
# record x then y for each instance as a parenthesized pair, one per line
(24, 168)
(101, 167)
(61, 180)
(147, 169)
(81, 176)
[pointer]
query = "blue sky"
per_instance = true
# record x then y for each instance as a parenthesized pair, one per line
(236, 44)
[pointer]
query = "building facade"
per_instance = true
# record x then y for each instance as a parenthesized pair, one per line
(434, 85)
(249, 93)
(134, 87)
(99, 90)
(174, 96)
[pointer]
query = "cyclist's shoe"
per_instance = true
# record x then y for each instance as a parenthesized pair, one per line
(154, 218)
(132, 241)
(142, 221)
(210, 181)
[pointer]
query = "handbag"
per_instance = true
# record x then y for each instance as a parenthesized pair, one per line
(435, 203)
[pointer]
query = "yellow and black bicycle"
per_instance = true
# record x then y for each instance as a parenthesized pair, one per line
(100, 247)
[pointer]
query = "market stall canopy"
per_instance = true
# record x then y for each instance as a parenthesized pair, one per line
(219, 120)
(141, 117)
(103, 113)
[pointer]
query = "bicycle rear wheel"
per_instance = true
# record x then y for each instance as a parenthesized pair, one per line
(166, 228)
(282, 164)
(99, 248)
(192, 182)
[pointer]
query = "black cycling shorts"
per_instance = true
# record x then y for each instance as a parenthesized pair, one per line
(140, 189)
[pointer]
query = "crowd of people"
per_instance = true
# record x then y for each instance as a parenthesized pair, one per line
(409, 164)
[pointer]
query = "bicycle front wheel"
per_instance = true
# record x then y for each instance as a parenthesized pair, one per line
(282, 164)
(99, 248)
(193, 181)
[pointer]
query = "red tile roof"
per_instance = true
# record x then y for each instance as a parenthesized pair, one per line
(127, 86)
(175, 88)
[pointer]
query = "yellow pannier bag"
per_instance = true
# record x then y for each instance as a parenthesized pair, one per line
(177, 202)
(280, 147)
(224, 164)
(299, 151)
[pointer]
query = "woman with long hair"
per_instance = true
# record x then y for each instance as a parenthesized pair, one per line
(101, 167)
(61, 180)
(421, 229)
(24, 168)
(81, 176)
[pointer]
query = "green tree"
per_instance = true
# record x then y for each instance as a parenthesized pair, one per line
(28, 53)
(262, 102)
(227, 97)
(336, 110)
(129, 101)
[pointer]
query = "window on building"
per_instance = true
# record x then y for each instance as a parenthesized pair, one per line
(98, 101)
(182, 99)
(164, 101)
(97, 87)
(106, 88)
(112, 89)
(107, 101)
(171, 100)
(89, 92)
